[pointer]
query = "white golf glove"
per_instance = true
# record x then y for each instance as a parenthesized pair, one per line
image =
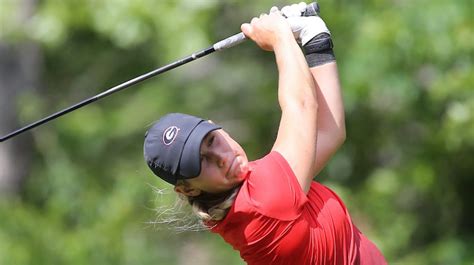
(304, 28)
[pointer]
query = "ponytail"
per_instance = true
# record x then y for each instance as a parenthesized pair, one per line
(208, 210)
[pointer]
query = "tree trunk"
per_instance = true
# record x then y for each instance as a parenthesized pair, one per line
(19, 71)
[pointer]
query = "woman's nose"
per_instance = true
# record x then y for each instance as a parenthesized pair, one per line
(220, 158)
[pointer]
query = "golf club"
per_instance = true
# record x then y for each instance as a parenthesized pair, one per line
(311, 10)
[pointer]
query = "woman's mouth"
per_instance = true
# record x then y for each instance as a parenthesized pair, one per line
(237, 168)
(231, 165)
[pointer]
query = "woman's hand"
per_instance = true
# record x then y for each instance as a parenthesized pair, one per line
(268, 31)
(304, 28)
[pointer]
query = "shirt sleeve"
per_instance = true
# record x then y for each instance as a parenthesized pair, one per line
(273, 189)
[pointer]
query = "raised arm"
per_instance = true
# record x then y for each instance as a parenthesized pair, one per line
(316, 41)
(297, 95)
(331, 125)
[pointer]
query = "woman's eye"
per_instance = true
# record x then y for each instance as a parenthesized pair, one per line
(211, 140)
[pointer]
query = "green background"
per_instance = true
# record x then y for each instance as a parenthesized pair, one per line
(85, 195)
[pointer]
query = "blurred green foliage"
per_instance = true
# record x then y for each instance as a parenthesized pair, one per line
(405, 171)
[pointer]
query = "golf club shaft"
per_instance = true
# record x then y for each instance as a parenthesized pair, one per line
(311, 10)
(110, 91)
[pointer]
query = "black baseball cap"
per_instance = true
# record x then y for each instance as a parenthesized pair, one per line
(172, 146)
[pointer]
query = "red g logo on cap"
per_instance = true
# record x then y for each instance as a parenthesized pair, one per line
(170, 134)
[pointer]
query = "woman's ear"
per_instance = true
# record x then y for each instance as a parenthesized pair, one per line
(188, 191)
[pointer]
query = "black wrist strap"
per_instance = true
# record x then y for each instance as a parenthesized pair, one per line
(319, 43)
(318, 50)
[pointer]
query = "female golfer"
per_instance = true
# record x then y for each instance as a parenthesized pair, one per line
(271, 210)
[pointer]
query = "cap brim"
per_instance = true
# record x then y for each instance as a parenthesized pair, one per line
(190, 163)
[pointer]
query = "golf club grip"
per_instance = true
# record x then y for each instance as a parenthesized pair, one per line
(311, 10)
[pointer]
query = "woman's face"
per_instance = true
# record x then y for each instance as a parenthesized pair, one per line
(224, 164)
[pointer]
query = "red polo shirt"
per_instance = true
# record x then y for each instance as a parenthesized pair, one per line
(274, 222)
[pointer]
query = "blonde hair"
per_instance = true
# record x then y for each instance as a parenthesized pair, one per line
(208, 210)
